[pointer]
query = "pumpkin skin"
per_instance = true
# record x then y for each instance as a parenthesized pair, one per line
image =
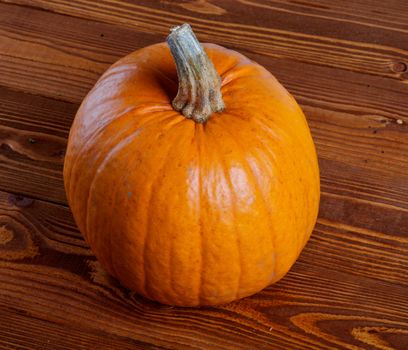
(185, 213)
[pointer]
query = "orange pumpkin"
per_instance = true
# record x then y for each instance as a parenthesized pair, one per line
(201, 201)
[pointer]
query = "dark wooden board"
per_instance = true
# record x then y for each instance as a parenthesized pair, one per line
(336, 294)
(347, 66)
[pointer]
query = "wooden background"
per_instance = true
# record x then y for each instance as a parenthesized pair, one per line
(345, 62)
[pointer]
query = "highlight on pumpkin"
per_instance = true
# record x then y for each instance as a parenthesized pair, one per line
(192, 174)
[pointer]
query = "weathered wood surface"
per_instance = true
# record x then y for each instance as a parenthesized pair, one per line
(345, 62)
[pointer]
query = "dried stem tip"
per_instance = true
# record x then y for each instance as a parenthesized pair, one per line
(199, 91)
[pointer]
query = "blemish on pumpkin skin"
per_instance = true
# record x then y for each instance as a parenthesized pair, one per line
(129, 194)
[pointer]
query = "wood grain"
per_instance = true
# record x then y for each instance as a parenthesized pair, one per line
(322, 92)
(49, 274)
(33, 136)
(50, 335)
(91, 62)
(347, 66)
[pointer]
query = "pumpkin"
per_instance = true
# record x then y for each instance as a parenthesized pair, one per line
(192, 174)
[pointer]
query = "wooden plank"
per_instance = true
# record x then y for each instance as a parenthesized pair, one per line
(62, 59)
(48, 273)
(33, 136)
(353, 116)
(48, 60)
(323, 86)
(35, 168)
(319, 20)
(42, 334)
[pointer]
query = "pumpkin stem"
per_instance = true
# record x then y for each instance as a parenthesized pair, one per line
(199, 91)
